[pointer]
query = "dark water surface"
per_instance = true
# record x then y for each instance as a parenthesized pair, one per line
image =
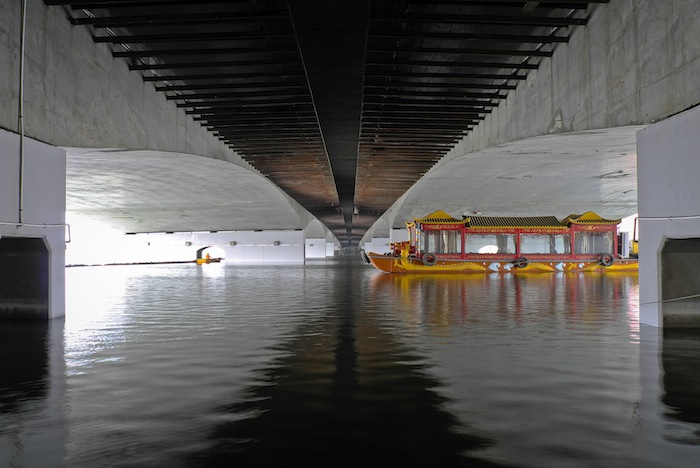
(337, 364)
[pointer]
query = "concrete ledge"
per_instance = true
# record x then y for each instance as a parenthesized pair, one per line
(681, 314)
(20, 309)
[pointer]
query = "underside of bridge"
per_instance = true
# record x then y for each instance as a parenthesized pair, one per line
(343, 104)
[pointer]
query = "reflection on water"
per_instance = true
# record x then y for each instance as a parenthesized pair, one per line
(31, 392)
(343, 392)
(681, 383)
(337, 364)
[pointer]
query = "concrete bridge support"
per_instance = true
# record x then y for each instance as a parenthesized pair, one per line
(669, 221)
(32, 229)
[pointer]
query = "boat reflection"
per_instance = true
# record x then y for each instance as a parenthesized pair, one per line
(444, 299)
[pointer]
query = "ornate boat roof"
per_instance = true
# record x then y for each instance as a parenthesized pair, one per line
(515, 222)
(551, 222)
(588, 217)
(439, 217)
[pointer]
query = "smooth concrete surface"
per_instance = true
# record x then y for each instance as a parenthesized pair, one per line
(142, 191)
(379, 245)
(315, 247)
(668, 171)
(43, 208)
(556, 175)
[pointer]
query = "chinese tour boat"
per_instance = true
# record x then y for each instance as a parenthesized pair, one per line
(439, 243)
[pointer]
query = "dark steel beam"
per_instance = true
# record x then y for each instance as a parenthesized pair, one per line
(377, 126)
(399, 113)
(392, 91)
(220, 36)
(229, 94)
(548, 4)
(223, 123)
(282, 112)
(136, 3)
(199, 52)
(235, 117)
(480, 19)
(175, 19)
(415, 84)
(228, 63)
(283, 133)
(461, 51)
(292, 104)
(218, 76)
(388, 108)
(212, 86)
(445, 63)
(409, 139)
(565, 3)
(427, 134)
(428, 124)
(431, 102)
(486, 37)
(444, 75)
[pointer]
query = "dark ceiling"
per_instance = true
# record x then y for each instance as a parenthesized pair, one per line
(344, 104)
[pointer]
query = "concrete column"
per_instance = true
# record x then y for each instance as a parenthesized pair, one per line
(669, 221)
(32, 246)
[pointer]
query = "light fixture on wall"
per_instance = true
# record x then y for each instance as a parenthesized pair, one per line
(188, 243)
(277, 242)
(232, 243)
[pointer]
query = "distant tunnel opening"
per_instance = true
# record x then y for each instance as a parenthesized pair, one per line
(680, 289)
(24, 278)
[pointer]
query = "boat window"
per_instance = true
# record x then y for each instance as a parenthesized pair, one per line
(593, 242)
(442, 241)
(490, 243)
(545, 243)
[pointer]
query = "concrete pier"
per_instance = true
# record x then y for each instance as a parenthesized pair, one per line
(32, 245)
(669, 221)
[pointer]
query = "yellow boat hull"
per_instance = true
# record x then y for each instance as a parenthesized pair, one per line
(394, 264)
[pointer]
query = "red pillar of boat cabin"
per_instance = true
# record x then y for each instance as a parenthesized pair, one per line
(572, 241)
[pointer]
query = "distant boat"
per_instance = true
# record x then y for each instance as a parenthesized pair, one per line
(439, 243)
(201, 261)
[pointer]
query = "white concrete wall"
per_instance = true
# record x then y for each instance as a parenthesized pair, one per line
(378, 245)
(315, 247)
(259, 247)
(399, 235)
(669, 203)
(44, 206)
(251, 247)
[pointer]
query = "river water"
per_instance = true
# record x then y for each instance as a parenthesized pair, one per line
(336, 364)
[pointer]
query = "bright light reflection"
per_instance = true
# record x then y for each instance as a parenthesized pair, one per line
(91, 241)
(95, 243)
(88, 294)
(627, 224)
